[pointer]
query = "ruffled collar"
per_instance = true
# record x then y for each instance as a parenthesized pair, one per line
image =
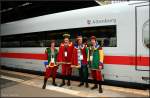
(96, 46)
(70, 44)
(77, 46)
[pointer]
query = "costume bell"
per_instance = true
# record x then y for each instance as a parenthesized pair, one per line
(51, 67)
(79, 59)
(95, 58)
(64, 57)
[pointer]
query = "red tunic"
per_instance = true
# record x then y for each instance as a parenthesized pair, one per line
(61, 57)
(75, 56)
(66, 68)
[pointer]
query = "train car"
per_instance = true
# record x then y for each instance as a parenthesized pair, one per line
(122, 28)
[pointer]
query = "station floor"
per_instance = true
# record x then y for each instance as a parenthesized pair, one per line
(17, 84)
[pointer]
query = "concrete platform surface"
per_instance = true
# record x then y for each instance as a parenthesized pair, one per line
(17, 84)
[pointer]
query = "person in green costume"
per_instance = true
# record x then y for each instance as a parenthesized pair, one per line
(95, 60)
(51, 67)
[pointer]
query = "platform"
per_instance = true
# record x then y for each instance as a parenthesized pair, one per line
(17, 84)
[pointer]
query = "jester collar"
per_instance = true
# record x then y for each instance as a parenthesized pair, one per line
(77, 46)
(96, 46)
(70, 44)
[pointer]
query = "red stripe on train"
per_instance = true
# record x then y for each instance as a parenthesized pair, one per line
(121, 60)
(127, 60)
(24, 56)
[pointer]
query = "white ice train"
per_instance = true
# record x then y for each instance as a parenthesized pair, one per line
(124, 25)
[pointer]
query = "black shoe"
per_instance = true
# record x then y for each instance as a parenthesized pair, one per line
(100, 89)
(62, 84)
(81, 84)
(94, 87)
(44, 86)
(68, 83)
(54, 84)
(86, 85)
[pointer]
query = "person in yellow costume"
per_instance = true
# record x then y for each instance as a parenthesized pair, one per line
(95, 60)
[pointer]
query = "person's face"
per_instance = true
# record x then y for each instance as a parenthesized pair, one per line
(52, 44)
(80, 40)
(66, 40)
(93, 41)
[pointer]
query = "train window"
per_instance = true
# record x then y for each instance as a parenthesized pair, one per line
(10, 44)
(32, 40)
(10, 41)
(106, 37)
(23, 40)
(57, 35)
(30, 44)
(145, 31)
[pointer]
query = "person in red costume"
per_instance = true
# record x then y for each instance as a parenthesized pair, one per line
(64, 59)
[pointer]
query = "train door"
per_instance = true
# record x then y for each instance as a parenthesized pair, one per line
(142, 37)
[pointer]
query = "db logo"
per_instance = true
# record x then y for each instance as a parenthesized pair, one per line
(88, 21)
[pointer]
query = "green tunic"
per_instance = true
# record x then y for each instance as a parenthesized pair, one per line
(48, 51)
(94, 57)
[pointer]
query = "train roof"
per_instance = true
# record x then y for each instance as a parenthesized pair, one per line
(46, 22)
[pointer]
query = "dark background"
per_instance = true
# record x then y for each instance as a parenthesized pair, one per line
(27, 9)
